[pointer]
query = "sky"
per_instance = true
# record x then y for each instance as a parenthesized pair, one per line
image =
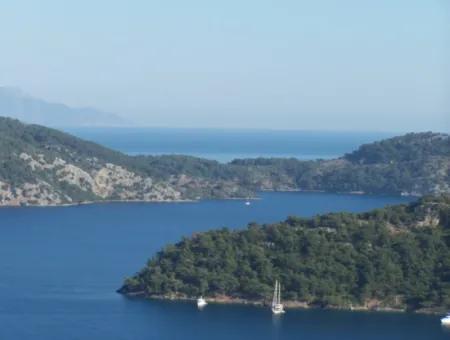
(374, 65)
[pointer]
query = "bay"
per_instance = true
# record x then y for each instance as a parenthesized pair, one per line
(60, 267)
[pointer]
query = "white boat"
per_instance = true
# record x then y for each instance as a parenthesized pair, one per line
(446, 320)
(247, 202)
(201, 302)
(277, 306)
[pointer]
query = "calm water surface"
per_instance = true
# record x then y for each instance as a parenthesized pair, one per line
(60, 267)
(227, 144)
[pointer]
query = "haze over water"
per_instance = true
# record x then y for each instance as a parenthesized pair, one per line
(225, 145)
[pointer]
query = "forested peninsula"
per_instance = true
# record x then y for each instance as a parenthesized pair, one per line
(394, 258)
(43, 166)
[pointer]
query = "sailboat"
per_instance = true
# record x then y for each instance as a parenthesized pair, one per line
(201, 302)
(277, 306)
(446, 320)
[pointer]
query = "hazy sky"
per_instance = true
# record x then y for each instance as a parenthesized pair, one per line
(316, 64)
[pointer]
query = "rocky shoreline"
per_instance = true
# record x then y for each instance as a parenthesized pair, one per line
(370, 306)
(255, 198)
(53, 205)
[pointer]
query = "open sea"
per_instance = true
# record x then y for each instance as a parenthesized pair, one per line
(225, 145)
(60, 266)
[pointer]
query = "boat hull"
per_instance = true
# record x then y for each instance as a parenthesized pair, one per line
(278, 309)
(201, 302)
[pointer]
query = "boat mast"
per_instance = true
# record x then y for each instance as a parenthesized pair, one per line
(275, 294)
(279, 294)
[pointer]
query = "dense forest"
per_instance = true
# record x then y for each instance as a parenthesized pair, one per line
(416, 163)
(43, 166)
(396, 257)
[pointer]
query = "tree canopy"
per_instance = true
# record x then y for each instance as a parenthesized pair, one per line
(398, 256)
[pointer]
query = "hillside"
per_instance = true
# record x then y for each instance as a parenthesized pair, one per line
(43, 166)
(15, 103)
(416, 163)
(392, 258)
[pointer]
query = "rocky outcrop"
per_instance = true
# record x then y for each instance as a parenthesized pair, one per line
(40, 193)
(41, 166)
(101, 181)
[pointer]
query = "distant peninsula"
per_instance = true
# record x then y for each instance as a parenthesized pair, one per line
(43, 166)
(395, 258)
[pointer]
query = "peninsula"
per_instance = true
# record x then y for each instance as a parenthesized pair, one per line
(43, 166)
(394, 258)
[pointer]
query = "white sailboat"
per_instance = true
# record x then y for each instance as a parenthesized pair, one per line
(446, 320)
(201, 302)
(277, 306)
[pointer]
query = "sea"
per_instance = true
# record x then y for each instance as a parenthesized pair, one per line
(60, 268)
(225, 145)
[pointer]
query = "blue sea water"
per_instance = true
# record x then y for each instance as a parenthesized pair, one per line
(225, 145)
(60, 267)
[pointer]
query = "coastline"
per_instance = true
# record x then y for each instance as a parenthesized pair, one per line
(56, 205)
(288, 304)
(254, 198)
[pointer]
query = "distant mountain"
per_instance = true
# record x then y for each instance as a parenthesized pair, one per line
(43, 166)
(17, 104)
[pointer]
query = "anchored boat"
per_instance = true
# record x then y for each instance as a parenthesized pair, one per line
(446, 320)
(277, 306)
(201, 302)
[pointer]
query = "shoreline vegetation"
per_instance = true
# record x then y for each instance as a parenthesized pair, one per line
(46, 167)
(255, 198)
(391, 259)
(370, 306)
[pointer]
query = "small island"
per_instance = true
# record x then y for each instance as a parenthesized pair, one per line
(394, 258)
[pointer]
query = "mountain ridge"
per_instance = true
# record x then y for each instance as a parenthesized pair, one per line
(44, 166)
(17, 104)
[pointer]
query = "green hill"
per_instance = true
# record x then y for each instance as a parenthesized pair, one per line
(42, 166)
(396, 257)
(416, 163)
(409, 148)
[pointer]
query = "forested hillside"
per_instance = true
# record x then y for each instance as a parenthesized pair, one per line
(395, 257)
(42, 166)
(416, 163)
